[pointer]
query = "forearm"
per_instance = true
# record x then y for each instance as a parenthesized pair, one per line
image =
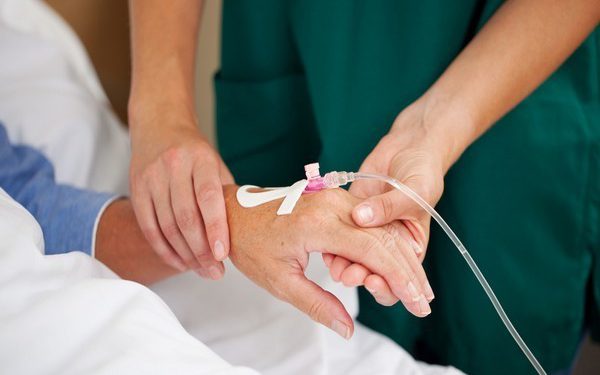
(164, 40)
(520, 46)
(121, 246)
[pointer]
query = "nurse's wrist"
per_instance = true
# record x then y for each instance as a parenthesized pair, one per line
(449, 124)
(163, 111)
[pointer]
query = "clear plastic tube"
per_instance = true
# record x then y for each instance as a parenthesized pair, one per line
(335, 179)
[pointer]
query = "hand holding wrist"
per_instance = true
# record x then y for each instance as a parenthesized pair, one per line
(445, 126)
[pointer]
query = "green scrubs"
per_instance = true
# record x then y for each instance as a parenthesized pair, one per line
(323, 80)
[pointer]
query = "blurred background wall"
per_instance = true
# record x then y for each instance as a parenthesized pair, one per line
(103, 27)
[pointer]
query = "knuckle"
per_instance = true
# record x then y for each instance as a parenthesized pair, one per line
(388, 241)
(205, 155)
(172, 158)
(187, 219)
(204, 256)
(206, 192)
(213, 226)
(387, 206)
(403, 277)
(373, 249)
(370, 247)
(393, 230)
(170, 230)
(411, 275)
(315, 308)
(145, 178)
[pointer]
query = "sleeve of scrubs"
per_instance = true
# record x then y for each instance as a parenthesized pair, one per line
(68, 216)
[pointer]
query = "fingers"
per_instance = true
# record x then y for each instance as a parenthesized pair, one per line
(211, 202)
(383, 209)
(320, 305)
(327, 258)
(378, 257)
(191, 225)
(380, 290)
(338, 265)
(354, 275)
(363, 248)
(418, 235)
(168, 225)
(144, 212)
(406, 244)
(226, 176)
(341, 269)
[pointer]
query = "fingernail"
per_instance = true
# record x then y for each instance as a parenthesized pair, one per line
(428, 292)
(424, 307)
(365, 214)
(219, 250)
(414, 293)
(215, 273)
(415, 246)
(341, 329)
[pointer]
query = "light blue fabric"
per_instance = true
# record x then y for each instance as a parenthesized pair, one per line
(66, 214)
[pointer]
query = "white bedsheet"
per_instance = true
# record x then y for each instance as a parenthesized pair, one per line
(69, 314)
(236, 319)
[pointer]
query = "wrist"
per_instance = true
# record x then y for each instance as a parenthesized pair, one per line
(449, 124)
(167, 96)
(122, 247)
(161, 109)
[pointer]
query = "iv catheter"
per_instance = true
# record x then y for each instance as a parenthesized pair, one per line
(314, 182)
(336, 179)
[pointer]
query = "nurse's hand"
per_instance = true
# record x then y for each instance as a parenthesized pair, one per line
(414, 154)
(273, 251)
(176, 189)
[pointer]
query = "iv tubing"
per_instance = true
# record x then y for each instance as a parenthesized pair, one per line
(342, 178)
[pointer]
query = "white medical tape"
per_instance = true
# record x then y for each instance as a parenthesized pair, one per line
(290, 195)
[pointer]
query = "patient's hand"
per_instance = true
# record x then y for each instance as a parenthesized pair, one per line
(273, 251)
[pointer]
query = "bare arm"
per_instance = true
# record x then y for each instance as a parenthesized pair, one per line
(176, 176)
(164, 37)
(120, 245)
(519, 47)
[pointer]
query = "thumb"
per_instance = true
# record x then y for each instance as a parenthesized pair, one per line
(383, 209)
(319, 304)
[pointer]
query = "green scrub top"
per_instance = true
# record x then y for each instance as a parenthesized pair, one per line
(323, 80)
